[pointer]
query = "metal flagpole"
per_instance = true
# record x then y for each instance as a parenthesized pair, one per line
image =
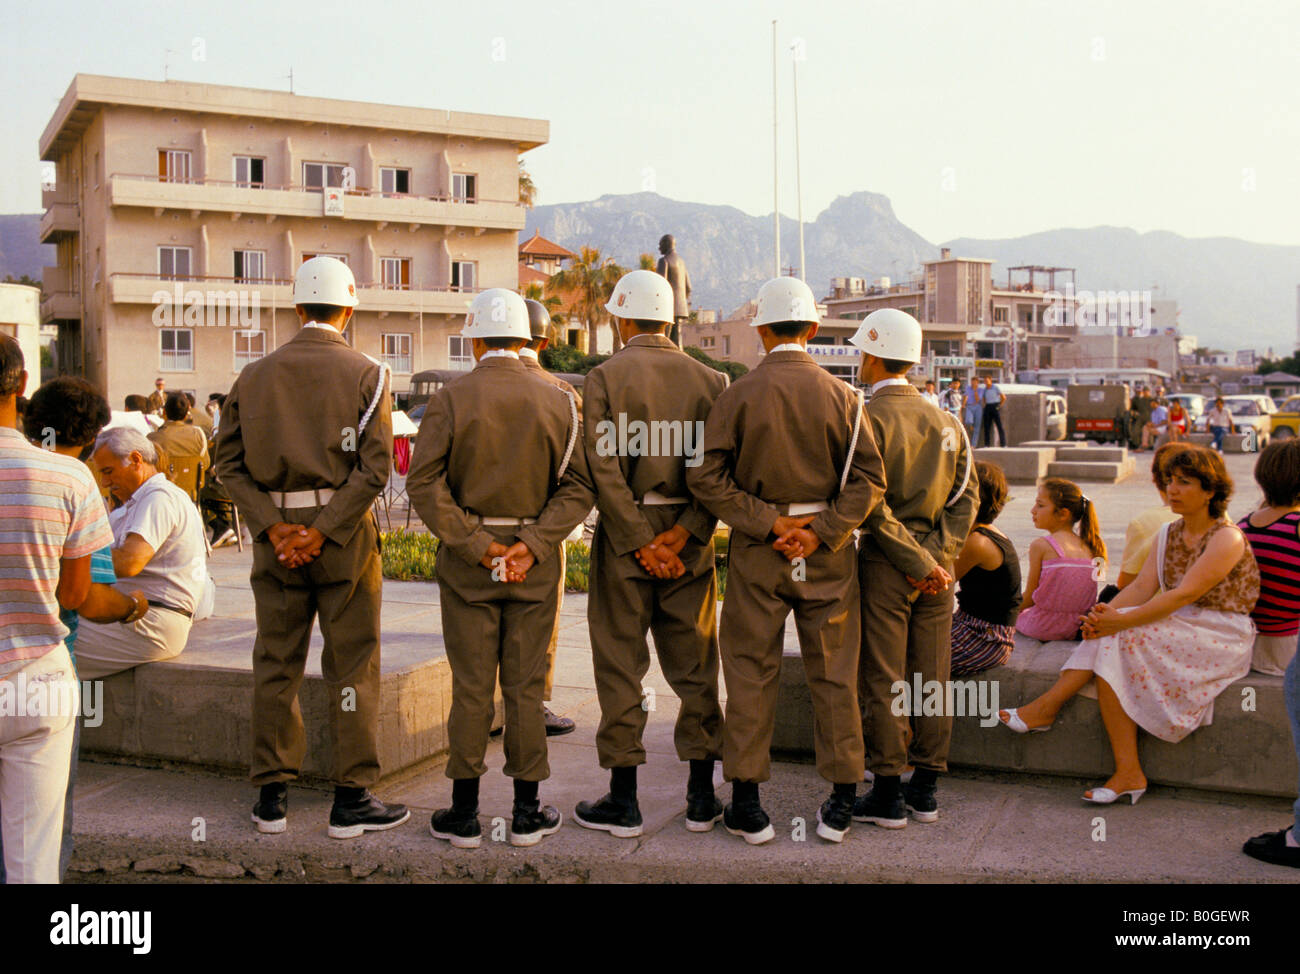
(798, 182)
(776, 198)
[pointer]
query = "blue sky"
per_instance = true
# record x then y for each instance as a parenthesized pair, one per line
(988, 120)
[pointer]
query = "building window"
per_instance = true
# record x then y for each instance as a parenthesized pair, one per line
(707, 341)
(308, 256)
(173, 166)
(458, 352)
(250, 171)
(726, 344)
(318, 175)
(464, 273)
(174, 263)
(999, 313)
(572, 336)
(397, 353)
(249, 347)
(250, 266)
(396, 273)
(176, 350)
(464, 187)
(394, 181)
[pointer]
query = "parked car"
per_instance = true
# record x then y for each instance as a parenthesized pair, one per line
(1056, 414)
(1255, 412)
(1286, 421)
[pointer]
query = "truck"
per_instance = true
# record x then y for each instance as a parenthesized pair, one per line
(1099, 412)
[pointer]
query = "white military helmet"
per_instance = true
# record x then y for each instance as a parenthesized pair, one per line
(890, 333)
(497, 312)
(325, 280)
(785, 299)
(642, 295)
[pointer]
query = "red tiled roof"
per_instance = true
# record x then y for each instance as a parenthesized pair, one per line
(531, 275)
(539, 246)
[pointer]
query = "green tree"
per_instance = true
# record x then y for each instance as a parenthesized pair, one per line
(551, 303)
(646, 262)
(527, 188)
(733, 370)
(588, 282)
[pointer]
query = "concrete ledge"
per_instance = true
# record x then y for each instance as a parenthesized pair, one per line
(1243, 751)
(196, 709)
(1089, 454)
(1104, 471)
(1020, 465)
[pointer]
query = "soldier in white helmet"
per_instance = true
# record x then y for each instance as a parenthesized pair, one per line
(791, 465)
(539, 322)
(652, 562)
(500, 476)
(305, 446)
(905, 557)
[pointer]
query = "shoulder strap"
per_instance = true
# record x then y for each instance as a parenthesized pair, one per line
(965, 476)
(853, 442)
(1161, 543)
(379, 394)
(573, 434)
(1055, 547)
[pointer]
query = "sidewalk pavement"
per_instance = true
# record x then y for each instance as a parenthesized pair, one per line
(143, 824)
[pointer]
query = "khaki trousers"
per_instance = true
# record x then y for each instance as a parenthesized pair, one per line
(626, 603)
(344, 587)
(107, 648)
(900, 638)
(555, 629)
(761, 592)
(497, 630)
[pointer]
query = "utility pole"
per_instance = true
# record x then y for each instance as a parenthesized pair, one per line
(798, 180)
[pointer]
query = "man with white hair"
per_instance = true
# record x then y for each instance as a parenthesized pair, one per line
(158, 549)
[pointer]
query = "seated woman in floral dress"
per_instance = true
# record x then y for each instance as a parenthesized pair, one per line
(1171, 641)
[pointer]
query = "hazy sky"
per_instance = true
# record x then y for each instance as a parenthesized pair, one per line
(989, 119)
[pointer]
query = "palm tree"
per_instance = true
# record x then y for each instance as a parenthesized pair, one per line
(551, 303)
(587, 283)
(527, 188)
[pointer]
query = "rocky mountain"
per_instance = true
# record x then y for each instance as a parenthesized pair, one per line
(1231, 293)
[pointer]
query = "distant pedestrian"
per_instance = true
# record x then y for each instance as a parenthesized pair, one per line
(929, 395)
(991, 398)
(973, 411)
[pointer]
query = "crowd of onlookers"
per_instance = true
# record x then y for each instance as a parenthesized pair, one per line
(1198, 603)
(103, 566)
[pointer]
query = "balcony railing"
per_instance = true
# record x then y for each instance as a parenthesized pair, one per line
(303, 188)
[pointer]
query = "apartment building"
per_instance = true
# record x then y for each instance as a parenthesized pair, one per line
(971, 326)
(181, 211)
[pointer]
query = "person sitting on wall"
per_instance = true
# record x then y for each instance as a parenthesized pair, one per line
(158, 546)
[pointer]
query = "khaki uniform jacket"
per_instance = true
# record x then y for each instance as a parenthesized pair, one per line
(182, 440)
(491, 445)
(780, 435)
(649, 381)
(199, 418)
(290, 424)
(925, 454)
(535, 367)
(156, 400)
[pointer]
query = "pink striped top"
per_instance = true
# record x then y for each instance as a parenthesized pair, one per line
(1277, 552)
(50, 510)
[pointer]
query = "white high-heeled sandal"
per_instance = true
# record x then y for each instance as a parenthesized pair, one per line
(1014, 723)
(1106, 796)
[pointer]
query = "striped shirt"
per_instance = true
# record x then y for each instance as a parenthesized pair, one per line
(1277, 552)
(50, 510)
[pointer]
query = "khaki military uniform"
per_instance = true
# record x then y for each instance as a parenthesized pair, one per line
(156, 401)
(904, 633)
(651, 381)
(780, 436)
(200, 419)
(290, 426)
(498, 445)
(535, 368)
(182, 440)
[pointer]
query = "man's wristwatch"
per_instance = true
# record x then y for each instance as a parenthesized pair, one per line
(139, 607)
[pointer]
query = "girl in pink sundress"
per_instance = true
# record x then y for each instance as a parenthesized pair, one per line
(1064, 567)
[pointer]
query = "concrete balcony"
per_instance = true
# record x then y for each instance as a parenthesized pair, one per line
(297, 202)
(61, 306)
(59, 220)
(216, 293)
